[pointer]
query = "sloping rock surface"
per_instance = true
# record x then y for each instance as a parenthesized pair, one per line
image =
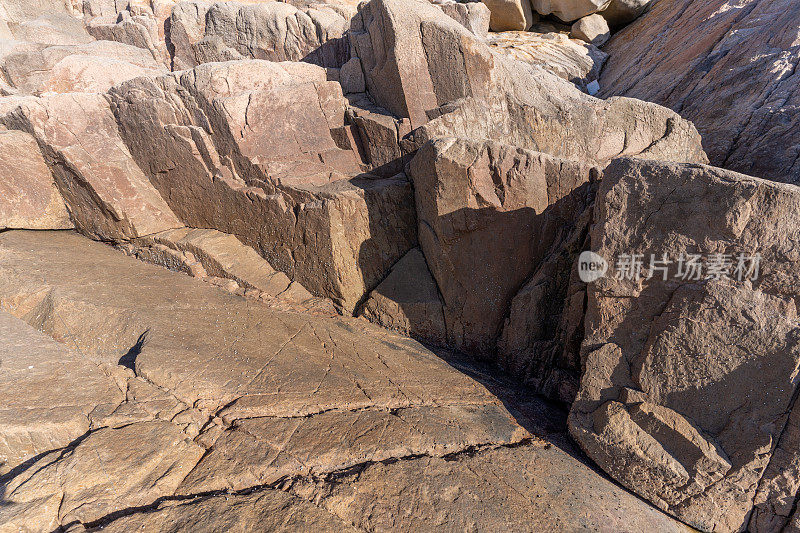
(730, 67)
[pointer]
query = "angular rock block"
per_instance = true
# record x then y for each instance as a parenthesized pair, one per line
(488, 215)
(689, 375)
(569, 10)
(29, 198)
(107, 194)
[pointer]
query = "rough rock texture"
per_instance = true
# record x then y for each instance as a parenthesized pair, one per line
(29, 198)
(234, 410)
(488, 214)
(30, 68)
(52, 29)
(730, 68)
(107, 195)
(592, 29)
(621, 12)
(510, 15)
(569, 10)
(207, 139)
(688, 384)
(571, 59)
(422, 65)
(408, 301)
(201, 32)
(474, 16)
(33, 424)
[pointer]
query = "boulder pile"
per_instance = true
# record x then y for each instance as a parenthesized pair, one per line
(423, 243)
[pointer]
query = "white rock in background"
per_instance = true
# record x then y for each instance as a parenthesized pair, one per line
(569, 10)
(592, 29)
(510, 15)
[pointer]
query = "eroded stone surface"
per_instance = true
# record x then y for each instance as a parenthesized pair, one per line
(688, 383)
(730, 68)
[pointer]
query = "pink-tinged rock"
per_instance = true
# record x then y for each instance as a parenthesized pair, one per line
(731, 68)
(488, 214)
(29, 198)
(690, 380)
(107, 194)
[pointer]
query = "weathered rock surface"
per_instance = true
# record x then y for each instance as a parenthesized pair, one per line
(29, 198)
(621, 12)
(576, 61)
(488, 214)
(569, 10)
(688, 383)
(31, 68)
(408, 301)
(282, 410)
(510, 15)
(52, 29)
(233, 154)
(202, 32)
(592, 29)
(737, 83)
(474, 15)
(107, 195)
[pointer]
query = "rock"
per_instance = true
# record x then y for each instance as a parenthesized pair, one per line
(351, 77)
(271, 509)
(107, 195)
(53, 29)
(408, 301)
(93, 67)
(142, 31)
(16, 12)
(203, 32)
(450, 83)
(474, 16)
(574, 60)
(688, 383)
(110, 469)
(569, 10)
(592, 29)
(622, 12)
(739, 91)
(488, 214)
(29, 198)
(297, 197)
(510, 15)
(36, 416)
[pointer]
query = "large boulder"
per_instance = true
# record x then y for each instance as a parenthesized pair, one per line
(248, 148)
(621, 12)
(488, 214)
(29, 198)
(201, 32)
(692, 348)
(421, 65)
(106, 193)
(569, 10)
(701, 59)
(510, 15)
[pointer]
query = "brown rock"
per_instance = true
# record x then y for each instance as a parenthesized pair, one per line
(569, 10)
(408, 301)
(474, 16)
(107, 195)
(510, 15)
(592, 29)
(688, 383)
(29, 198)
(488, 214)
(697, 57)
(621, 12)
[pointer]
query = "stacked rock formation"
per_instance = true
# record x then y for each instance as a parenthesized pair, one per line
(334, 164)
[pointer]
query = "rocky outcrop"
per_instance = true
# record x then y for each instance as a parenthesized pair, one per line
(690, 369)
(740, 91)
(202, 32)
(223, 159)
(474, 15)
(107, 195)
(569, 10)
(510, 15)
(29, 198)
(229, 412)
(575, 61)
(488, 214)
(621, 12)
